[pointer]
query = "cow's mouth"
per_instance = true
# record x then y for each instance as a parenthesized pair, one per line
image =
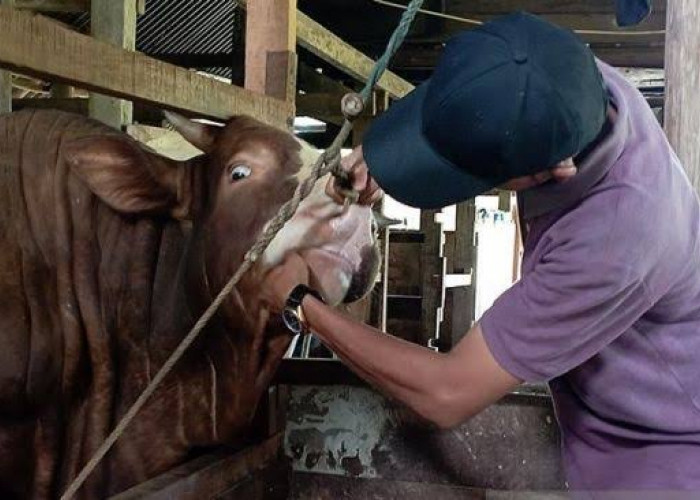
(339, 278)
(363, 279)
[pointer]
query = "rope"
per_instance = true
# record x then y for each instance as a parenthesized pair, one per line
(477, 22)
(328, 162)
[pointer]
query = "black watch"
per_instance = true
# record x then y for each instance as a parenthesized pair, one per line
(292, 315)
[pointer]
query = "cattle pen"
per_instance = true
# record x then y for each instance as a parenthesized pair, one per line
(320, 431)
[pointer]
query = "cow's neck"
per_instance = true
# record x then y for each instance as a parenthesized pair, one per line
(220, 377)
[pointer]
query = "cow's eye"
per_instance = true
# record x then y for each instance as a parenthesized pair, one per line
(239, 172)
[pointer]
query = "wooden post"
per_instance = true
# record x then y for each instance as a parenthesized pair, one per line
(113, 21)
(682, 113)
(270, 69)
(433, 270)
(270, 59)
(380, 103)
(461, 313)
(6, 79)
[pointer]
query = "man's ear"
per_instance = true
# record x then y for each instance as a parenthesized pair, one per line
(201, 136)
(130, 179)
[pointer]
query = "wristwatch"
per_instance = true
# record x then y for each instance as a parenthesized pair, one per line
(292, 314)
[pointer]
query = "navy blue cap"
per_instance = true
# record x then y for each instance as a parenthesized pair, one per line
(510, 98)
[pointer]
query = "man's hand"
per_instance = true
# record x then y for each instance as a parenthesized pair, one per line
(362, 182)
(281, 280)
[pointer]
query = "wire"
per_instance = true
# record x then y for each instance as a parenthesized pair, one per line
(476, 22)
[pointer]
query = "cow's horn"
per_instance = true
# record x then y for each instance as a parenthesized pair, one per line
(199, 135)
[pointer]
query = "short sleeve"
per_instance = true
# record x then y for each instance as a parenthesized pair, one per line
(561, 314)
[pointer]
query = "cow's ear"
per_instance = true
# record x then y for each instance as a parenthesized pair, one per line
(200, 135)
(130, 179)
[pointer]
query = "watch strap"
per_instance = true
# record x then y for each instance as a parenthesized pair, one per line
(296, 296)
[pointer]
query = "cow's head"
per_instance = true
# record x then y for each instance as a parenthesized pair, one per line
(247, 172)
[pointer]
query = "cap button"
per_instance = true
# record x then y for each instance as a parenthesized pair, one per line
(520, 56)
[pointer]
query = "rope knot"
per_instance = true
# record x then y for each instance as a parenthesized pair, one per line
(352, 105)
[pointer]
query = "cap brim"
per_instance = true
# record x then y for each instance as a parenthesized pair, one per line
(405, 165)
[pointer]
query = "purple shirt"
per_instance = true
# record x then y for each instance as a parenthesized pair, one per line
(608, 309)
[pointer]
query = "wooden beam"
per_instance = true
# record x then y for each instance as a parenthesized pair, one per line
(332, 49)
(311, 81)
(596, 15)
(682, 114)
(323, 106)
(270, 27)
(40, 47)
(143, 114)
(537, 6)
(208, 476)
(72, 6)
(113, 21)
(636, 55)
(424, 57)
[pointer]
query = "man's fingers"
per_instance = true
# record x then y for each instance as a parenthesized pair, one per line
(372, 194)
(353, 160)
(360, 180)
(332, 191)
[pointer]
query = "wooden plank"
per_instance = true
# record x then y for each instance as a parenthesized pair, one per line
(281, 76)
(311, 81)
(405, 274)
(459, 7)
(332, 49)
(682, 114)
(54, 5)
(419, 57)
(207, 476)
(143, 114)
(270, 27)
(594, 28)
(114, 22)
(628, 54)
(433, 271)
(598, 15)
(460, 303)
(322, 106)
(40, 47)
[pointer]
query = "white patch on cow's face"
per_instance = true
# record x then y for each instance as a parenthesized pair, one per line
(331, 238)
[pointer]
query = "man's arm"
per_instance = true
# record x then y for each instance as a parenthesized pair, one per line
(446, 389)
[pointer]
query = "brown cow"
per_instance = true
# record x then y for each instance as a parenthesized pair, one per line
(108, 254)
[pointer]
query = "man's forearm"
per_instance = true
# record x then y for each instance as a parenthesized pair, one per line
(444, 388)
(402, 370)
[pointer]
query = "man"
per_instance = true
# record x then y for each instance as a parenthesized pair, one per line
(608, 308)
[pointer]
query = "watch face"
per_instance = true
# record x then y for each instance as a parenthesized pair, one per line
(291, 320)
